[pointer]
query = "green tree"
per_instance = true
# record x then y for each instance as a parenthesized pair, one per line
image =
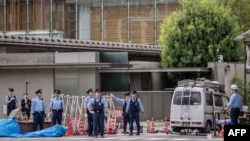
(197, 33)
(240, 8)
(241, 88)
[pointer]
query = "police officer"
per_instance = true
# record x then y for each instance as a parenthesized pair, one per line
(124, 103)
(235, 103)
(11, 101)
(134, 107)
(97, 106)
(57, 108)
(38, 110)
(89, 115)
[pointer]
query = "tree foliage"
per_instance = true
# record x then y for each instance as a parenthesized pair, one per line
(241, 88)
(240, 8)
(199, 32)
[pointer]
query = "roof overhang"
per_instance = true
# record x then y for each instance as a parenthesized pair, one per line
(243, 37)
(65, 65)
(191, 69)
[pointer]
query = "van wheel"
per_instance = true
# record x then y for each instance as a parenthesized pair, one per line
(208, 127)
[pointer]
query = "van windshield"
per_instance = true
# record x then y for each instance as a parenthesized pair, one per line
(187, 99)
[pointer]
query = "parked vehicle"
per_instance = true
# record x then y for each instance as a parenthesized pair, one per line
(194, 103)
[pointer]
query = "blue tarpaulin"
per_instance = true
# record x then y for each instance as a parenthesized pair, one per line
(10, 128)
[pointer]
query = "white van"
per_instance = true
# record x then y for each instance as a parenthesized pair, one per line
(194, 103)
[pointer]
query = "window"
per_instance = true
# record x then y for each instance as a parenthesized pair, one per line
(177, 98)
(218, 100)
(225, 100)
(209, 99)
(195, 98)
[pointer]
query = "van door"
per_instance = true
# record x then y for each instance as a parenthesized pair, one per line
(218, 104)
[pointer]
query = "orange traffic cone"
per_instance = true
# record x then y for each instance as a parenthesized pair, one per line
(81, 127)
(152, 126)
(222, 126)
(70, 128)
(165, 127)
(111, 125)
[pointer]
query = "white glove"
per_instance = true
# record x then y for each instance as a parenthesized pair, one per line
(85, 115)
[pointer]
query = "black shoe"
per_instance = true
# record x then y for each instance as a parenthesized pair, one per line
(137, 133)
(95, 136)
(131, 134)
(102, 136)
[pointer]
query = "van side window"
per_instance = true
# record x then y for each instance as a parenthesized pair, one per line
(177, 98)
(218, 100)
(209, 99)
(195, 98)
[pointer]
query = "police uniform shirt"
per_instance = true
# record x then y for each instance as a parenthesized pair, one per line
(138, 101)
(8, 97)
(235, 101)
(92, 101)
(87, 100)
(57, 103)
(119, 100)
(37, 105)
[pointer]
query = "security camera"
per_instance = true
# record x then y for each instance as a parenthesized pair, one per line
(220, 58)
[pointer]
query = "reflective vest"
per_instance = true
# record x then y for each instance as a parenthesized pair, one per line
(12, 104)
(134, 106)
(98, 106)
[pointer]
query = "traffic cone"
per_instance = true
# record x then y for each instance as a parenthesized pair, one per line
(152, 126)
(222, 126)
(70, 128)
(111, 126)
(81, 127)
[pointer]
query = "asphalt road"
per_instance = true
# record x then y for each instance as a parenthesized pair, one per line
(121, 137)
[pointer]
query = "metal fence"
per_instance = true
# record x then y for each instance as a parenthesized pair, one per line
(156, 103)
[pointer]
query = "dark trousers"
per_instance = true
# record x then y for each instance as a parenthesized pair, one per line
(90, 124)
(38, 120)
(125, 121)
(134, 116)
(98, 123)
(56, 117)
(235, 112)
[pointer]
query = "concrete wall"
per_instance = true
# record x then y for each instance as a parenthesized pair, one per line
(156, 103)
(76, 81)
(37, 78)
(156, 77)
(225, 71)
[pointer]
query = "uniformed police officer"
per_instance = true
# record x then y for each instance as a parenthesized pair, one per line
(97, 106)
(235, 103)
(90, 116)
(124, 103)
(38, 110)
(134, 107)
(11, 101)
(57, 108)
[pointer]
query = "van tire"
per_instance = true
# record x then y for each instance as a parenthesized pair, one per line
(207, 128)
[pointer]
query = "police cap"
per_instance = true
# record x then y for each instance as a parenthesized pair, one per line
(98, 90)
(11, 89)
(57, 92)
(90, 90)
(127, 94)
(134, 92)
(38, 91)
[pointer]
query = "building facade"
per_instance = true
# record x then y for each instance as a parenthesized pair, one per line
(127, 21)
